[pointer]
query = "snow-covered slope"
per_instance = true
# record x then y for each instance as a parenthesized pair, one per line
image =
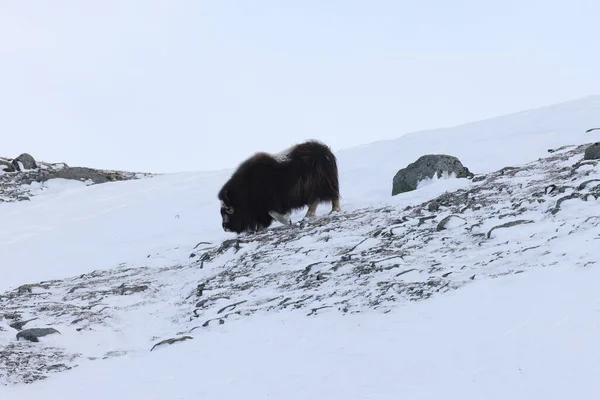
(85, 228)
(127, 265)
(483, 146)
(522, 337)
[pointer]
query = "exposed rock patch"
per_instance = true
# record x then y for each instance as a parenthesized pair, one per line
(84, 174)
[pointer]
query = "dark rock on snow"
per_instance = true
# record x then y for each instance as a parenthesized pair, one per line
(426, 166)
(592, 152)
(34, 334)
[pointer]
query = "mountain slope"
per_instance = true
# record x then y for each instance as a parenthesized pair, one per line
(541, 215)
(76, 229)
(120, 267)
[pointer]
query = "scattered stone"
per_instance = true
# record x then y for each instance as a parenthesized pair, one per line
(34, 334)
(6, 165)
(200, 289)
(443, 223)
(124, 289)
(582, 185)
(425, 167)
(20, 324)
(433, 206)
(12, 315)
(508, 225)
(171, 341)
(28, 288)
(231, 307)
(592, 152)
(560, 148)
(422, 220)
(571, 196)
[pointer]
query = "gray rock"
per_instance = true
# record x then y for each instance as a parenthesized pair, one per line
(592, 152)
(26, 160)
(6, 166)
(433, 206)
(171, 341)
(18, 325)
(34, 334)
(426, 166)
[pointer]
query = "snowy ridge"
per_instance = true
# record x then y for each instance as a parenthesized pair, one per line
(375, 258)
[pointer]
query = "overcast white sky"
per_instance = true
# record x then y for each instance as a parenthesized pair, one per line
(178, 85)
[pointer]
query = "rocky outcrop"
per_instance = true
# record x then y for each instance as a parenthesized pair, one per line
(427, 166)
(16, 174)
(85, 174)
(22, 163)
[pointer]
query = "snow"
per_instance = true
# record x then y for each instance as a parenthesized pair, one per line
(522, 337)
(79, 229)
(268, 323)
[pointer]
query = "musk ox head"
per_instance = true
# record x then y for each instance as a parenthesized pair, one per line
(230, 221)
(238, 215)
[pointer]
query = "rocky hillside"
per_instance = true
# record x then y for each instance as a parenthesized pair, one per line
(17, 175)
(376, 258)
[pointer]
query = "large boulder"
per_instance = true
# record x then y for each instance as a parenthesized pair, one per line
(592, 152)
(425, 167)
(23, 162)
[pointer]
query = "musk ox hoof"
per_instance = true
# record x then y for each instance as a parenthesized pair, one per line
(284, 219)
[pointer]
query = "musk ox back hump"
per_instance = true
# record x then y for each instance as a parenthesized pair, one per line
(314, 167)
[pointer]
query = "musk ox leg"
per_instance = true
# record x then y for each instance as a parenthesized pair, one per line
(285, 219)
(335, 206)
(312, 210)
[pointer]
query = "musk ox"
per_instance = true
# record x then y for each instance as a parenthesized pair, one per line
(269, 187)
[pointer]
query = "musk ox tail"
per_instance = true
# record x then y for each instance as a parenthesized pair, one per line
(327, 168)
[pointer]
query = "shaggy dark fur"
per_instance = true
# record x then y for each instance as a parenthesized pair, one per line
(305, 175)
